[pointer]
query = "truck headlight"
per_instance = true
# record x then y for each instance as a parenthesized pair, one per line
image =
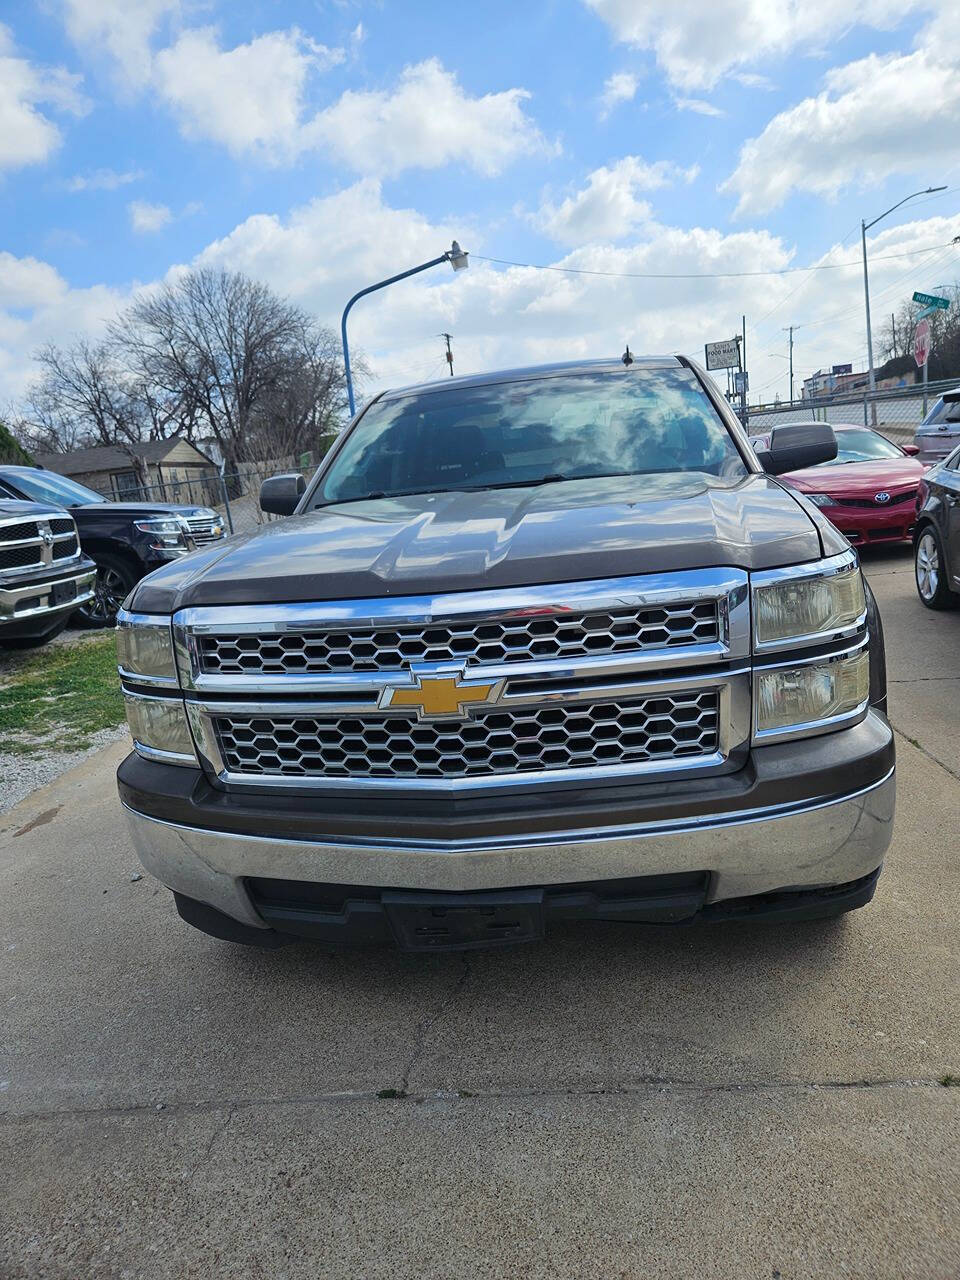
(145, 648)
(807, 604)
(810, 697)
(159, 728)
(158, 721)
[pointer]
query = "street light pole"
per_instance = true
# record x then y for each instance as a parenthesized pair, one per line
(864, 228)
(454, 255)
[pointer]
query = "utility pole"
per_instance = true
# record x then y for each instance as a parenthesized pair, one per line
(743, 376)
(448, 336)
(790, 331)
(864, 228)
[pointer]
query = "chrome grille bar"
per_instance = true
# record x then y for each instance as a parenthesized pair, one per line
(256, 728)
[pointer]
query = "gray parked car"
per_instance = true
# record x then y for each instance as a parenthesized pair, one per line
(937, 535)
(939, 432)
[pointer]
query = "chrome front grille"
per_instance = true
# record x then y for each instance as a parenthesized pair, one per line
(670, 727)
(26, 545)
(524, 638)
(530, 686)
(204, 529)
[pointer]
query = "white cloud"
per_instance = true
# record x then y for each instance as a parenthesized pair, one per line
(120, 29)
(698, 105)
(426, 122)
(103, 180)
(617, 88)
(27, 136)
(146, 217)
(607, 208)
(501, 318)
(697, 42)
(37, 306)
(874, 117)
(249, 98)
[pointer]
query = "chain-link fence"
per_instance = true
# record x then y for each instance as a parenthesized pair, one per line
(234, 494)
(897, 412)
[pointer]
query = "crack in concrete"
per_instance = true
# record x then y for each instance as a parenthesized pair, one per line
(923, 751)
(645, 1086)
(214, 1139)
(426, 1025)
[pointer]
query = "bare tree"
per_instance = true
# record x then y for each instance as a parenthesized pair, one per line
(258, 374)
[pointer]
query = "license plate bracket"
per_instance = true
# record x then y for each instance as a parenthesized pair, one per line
(461, 921)
(62, 592)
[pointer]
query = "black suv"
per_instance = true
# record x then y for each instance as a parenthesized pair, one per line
(936, 540)
(126, 540)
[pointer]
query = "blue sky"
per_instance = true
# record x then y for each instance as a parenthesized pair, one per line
(321, 145)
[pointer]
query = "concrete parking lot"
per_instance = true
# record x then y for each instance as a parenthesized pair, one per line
(737, 1101)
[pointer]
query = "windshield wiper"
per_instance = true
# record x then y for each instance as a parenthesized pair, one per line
(382, 493)
(553, 478)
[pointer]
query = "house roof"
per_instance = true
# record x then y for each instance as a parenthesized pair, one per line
(79, 462)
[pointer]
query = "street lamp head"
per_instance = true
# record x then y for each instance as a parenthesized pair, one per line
(457, 257)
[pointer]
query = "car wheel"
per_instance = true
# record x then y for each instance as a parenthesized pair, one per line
(115, 580)
(930, 568)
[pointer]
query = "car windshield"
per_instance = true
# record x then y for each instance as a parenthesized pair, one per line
(535, 431)
(859, 444)
(47, 486)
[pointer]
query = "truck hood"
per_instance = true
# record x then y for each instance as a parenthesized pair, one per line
(495, 538)
(138, 510)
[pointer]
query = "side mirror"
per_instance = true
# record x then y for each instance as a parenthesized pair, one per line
(280, 495)
(802, 444)
(911, 450)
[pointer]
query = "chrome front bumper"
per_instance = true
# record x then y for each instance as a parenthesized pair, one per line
(813, 842)
(12, 598)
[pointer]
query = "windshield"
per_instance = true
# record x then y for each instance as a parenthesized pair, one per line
(47, 486)
(543, 430)
(862, 445)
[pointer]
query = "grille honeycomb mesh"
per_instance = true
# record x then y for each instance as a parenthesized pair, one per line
(499, 742)
(516, 639)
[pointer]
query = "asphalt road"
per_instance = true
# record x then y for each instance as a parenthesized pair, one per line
(617, 1102)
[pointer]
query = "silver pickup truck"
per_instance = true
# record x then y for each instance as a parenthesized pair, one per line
(44, 575)
(535, 646)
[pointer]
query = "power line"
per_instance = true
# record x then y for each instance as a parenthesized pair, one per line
(706, 275)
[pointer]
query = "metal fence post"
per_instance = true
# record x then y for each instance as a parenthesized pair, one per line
(226, 500)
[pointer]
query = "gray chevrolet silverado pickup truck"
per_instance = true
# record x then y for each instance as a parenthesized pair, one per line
(535, 646)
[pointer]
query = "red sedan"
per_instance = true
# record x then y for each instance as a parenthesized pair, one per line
(869, 491)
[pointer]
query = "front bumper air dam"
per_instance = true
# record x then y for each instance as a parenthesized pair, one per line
(791, 832)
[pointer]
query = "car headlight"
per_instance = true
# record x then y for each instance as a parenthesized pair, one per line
(807, 604)
(810, 697)
(821, 499)
(168, 532)
(158, 721)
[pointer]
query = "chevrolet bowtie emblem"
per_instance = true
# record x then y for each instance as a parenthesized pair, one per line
(436, 697)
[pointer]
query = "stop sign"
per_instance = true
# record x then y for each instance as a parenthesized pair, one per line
(921, 343)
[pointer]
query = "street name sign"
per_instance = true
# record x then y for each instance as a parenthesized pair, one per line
(723, 355)
(931, 300)
(921, 344)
